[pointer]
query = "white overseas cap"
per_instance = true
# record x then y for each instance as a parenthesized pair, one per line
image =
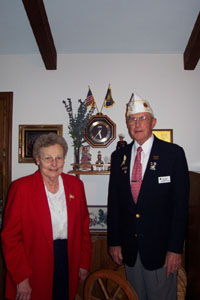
(137, 105)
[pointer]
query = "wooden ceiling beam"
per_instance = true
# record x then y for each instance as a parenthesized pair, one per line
(192, 51)
(38, 19)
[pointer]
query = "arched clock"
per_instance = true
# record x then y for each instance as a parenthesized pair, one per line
(100, 131)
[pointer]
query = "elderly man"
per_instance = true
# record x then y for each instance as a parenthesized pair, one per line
(147, 206)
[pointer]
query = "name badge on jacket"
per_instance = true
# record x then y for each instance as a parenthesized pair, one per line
(164, 179)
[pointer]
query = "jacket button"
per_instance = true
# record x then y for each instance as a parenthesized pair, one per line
(137, 216)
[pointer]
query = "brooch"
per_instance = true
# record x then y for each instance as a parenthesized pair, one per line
(71, 197)
(153, 166)
(124, 169)
(124, 161)
(156, 157)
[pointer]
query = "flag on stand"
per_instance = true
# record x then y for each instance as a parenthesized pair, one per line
(108, 101)
(89, 101)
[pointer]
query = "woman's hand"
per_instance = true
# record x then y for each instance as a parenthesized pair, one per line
(23, 290)
(83, 274)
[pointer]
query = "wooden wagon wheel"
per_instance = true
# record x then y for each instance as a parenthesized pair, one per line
(108, 285)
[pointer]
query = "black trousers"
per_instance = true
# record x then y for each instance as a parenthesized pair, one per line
(61, 275)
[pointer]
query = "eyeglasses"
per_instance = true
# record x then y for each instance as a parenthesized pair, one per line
(141, 119)
(49, 159)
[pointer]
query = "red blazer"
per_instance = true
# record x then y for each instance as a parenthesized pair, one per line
(27, 238)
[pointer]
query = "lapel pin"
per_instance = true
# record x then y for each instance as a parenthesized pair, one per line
(124, 169)
(124, 161)
(71, 196)
(156, 157)
(153, 166)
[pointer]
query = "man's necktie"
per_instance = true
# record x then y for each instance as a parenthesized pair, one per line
(136, 178)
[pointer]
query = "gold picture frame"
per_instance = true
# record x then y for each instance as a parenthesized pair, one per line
(27, 136)
(164, 134)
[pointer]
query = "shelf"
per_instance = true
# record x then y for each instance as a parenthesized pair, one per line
(89, 172)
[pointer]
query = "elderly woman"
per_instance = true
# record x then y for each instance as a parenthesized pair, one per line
(45, 237)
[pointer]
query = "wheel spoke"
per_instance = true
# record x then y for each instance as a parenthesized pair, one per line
(103, 288)
(116, 292)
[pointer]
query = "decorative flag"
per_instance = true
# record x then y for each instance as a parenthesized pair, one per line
(89, 101)
(108, 101)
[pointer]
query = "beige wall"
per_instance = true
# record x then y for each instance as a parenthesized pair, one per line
(173, 93)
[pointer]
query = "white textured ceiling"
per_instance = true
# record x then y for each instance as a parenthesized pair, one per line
(102, 26)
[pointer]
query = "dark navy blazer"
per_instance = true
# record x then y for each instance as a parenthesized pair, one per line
(157, 223)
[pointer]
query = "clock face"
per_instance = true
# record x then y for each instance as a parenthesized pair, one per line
(100, 131)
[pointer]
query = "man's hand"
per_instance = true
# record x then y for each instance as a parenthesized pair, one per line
(83, 274)
(172, 262)
(23, 290)
(116, 253)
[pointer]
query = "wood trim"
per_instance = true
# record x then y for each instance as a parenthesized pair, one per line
(192, 51)
(38, 19)
(6, 108)
(89, 172)
(7, 98)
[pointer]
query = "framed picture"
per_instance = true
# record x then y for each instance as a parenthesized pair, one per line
(27, 136)
(164, 134)
(98, 217)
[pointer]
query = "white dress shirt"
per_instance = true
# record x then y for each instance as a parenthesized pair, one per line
(146, 149)
(58, 211)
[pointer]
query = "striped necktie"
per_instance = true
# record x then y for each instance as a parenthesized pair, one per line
(136, 178)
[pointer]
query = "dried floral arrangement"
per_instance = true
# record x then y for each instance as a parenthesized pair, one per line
(77, 123)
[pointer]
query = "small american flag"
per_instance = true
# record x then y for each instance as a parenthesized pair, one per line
(89, 101)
